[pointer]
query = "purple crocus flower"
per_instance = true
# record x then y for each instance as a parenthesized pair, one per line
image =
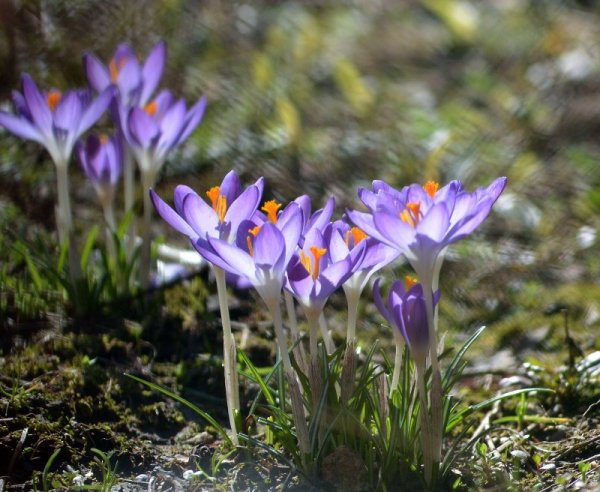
(154, 130)
(406, 312)
(367, 259)
(136, 83)
(262, 252)
(421, 221)
(101, 159)
(313, 274)
(54, 119)
(228, 207)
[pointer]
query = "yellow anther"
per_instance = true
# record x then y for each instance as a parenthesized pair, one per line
(411, 213)
(151, 108)
(53, 99)
(270, 208)
(213, 196)
(431, 188)
(409, 281)
(357, 236)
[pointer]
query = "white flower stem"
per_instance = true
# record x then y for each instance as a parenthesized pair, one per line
(399, 342)
(294, 387)
(229, 355)
(109, 218)
(352, 298)
(64, 222)
(128, 202)
(426, 424)
(349, 363)
(327, 339)
(148, 181)
(299, 352)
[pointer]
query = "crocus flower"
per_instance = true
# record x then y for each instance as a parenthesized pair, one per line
(136, 83)
(228, 206)
(262, 252)
(420, 221)
(406, 312)
(154, 130)
(54, 119)
(101, 159)
(313, 275)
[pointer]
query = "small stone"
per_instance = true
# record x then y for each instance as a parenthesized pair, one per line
(521, 455)
(142, 478)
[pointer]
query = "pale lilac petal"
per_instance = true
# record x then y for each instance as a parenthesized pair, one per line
(172, 217)
(292, 231)
(230, 187)
(363, 221)
(338, 249)
(200, 216)
(153, 70)
(269, 248)
(321, 218)
(392, 230)
(435, 223)
(242, 208)
(129, 80)
(238, 261)
(20, 127)
(181, 191)
(381, 305)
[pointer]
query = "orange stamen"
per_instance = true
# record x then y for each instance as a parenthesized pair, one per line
(411, 213)
(270, 208)
(151, 108)
(312, 268)
(218, 202)
(53, 99)
(431, 188)
(103, 139)
(409, 281)
(251, 232)
(114, 67)
(357, 236)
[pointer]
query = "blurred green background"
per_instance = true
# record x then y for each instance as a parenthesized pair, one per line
(321, 97)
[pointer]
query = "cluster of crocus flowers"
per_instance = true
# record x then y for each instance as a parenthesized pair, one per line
(146, 128)
(420, 222)
(274, 247)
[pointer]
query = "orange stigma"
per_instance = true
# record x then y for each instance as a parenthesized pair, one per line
(114, 67)
(53, 99)
(431, 188)
(103, 139)
(409, 281)
(312, 268)
(218, 202)
(411, 213)
(357, 236)
(251, 232)
(270, 208)
(151, 108)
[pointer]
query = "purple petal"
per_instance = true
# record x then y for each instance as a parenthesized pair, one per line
(67, 114)
(322, 217)
(20, 127)
(292, 231)
(380, 304)
(171, 125)
(200, 216)
(37, 105)
(181, 191)
(153, 70)
(193, 118)
(435, 223)
(142, 127)
(242, 208)
(230, 187)
(337, 273)
(392, 231)
(364, 221)
(269, 249)
(95, 109)
(238, 261)
(96, 72)
(171, 217)
(129, 80)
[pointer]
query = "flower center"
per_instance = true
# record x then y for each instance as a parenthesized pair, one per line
(412, 213)
(103, 139)
(431, 188)
(270, 208)
(218, 201)
(151, 108)
(251, 233)
(409, 281)
(53, 99)
(114, 67)
(312, 268)
(357, 236)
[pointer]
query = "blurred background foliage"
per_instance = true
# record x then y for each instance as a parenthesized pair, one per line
(324, 96)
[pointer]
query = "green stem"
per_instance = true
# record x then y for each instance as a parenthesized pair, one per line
(229, 355)
(148, 181)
